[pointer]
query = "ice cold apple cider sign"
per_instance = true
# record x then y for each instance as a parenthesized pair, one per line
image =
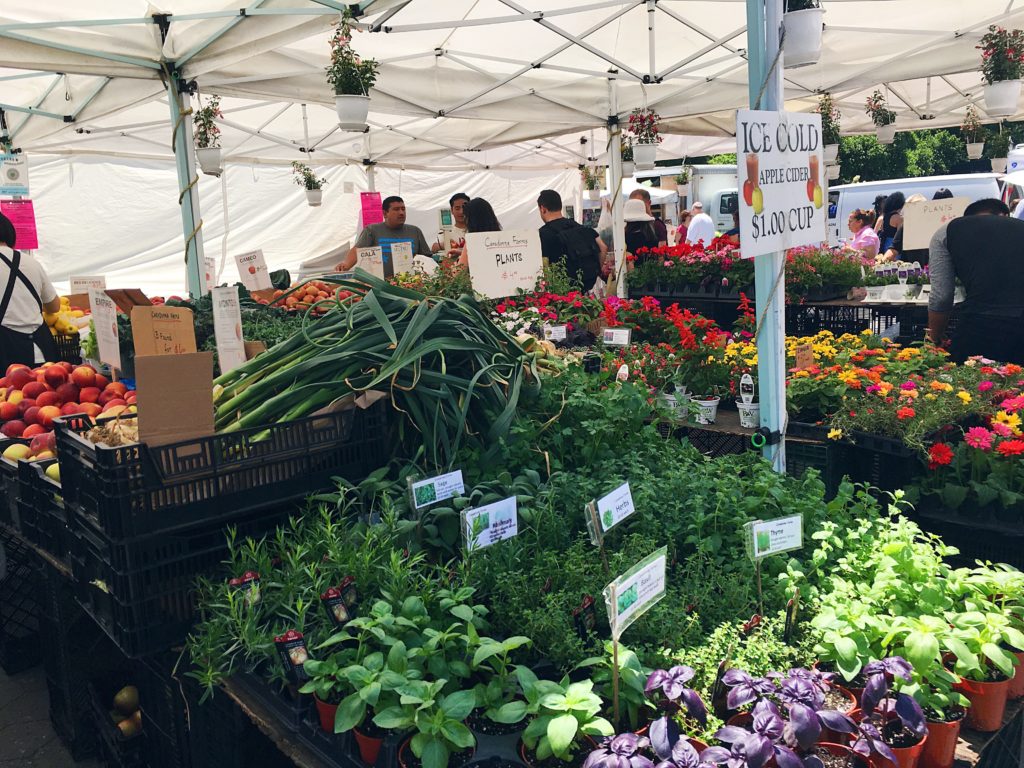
(781, 173)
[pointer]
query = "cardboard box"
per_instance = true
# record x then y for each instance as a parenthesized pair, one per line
(163, 330)
(175, 397)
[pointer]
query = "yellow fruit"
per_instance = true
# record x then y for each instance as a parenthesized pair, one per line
(758, 200)
(16, 451)
(53, 472)
(127, 700)
(77, 313)
(43, 455)
(819, 198)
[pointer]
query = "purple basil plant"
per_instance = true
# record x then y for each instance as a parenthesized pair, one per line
(745, 689)
(626, 750)
(675, 697)
(881, 705)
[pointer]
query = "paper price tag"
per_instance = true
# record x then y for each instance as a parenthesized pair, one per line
(774, 536)
(252, 269)
(617, 337)
(401, 258)
(227, 328)
(615, 507)
(104, 318)
(804, 356)
(210, 273)
(86, 283)
(554, 332)
(487, 525)
(371, 260)
(423, 493)
(634, 593)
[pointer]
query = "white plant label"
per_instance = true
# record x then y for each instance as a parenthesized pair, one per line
(634, 593)
(227, 327)
(554, 332)
(210, 272)
(487, 525)
(104, 319)
(371, 260)
(617, 337)
(423, 493)
(774, 536)
(402, 257)
(615, 507)
(747, 389)
(252, 269)
(86, 283)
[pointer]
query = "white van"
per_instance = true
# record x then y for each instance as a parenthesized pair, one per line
(846, 198)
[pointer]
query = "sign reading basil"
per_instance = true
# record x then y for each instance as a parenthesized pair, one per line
(634, 593)
(489, 524)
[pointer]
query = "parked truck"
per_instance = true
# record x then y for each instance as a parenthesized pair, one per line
(713, 185)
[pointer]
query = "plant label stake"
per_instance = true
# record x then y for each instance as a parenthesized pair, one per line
(747, 389)
(770, 538)
(804, 356)
(792, 608)
(605, 513)
(597, 535)
(628, 598)
(554, 332)
(489, 524)
(616, 337)
(423, 493)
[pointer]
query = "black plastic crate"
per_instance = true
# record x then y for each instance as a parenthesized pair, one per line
(164, 718)
(975, 541)
(69, 348)
(113, 747)
(823, 456)
(19, 605)
(879, 468)
(713, 443)
(288, 711)
(9, 487)
(41, 509)
(809, 319)
(1006, 748)
(137, 490)
(142, 591)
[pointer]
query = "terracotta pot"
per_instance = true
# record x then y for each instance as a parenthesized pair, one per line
(828, 736)
(326, 712)
(940, 748)
(369, 746)
(906, 757)
(1016, 689)
(697, 744)
(988, 703)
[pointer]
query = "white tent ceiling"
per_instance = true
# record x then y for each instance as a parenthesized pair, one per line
(463, 83)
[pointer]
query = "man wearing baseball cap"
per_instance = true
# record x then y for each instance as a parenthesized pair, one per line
(702, 228)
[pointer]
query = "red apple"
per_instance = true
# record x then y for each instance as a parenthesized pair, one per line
(89, 394)
(31, 415)
(47, 414)
(67, 392)
(101, 381)
(68, 367)
(43, 441)
(33, 431)
(106, 396)
(55, 376)
(84, 376)
(24, 405)
(19, 377)
(14, 367)
(49, 398)
(34, 389)
(748, 192)
(8, 411)
(116, 386)
(92, 410)
(13, 428)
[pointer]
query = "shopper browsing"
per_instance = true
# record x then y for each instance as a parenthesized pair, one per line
(702, 228)
(392, 230)
(659, 226)
(640, 232)
(455, 236)
(27, 293)
(564, 241)
(480, 217)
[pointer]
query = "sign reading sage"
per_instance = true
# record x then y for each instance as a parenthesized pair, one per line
(423, 493)
(489, 524)
(635, 592)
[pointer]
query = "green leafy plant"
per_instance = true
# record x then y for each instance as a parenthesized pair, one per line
(830, 118)
(1002, 54)
(437, 719)
(348, 73)
(997, 144)
(207, 134)
(498, 691)
(305, 177)
(878, 110)
(971, 128)
(632, 679)
(683, 177)
(563, 717)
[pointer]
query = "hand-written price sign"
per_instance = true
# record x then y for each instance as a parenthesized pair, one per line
(86, 283)
(401, 257)
(920, 220)
(782, 200)
(371, 260)
(227, 327)
(252, 268)
(500, 263)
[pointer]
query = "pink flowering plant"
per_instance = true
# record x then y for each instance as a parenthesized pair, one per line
(692, 266)
(815, 267)
(348, 73)
(207, 134)
(643, 125)
(1002, 54)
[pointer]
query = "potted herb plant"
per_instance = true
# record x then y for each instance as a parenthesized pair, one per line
(746, 402)
(632, 678)
(997, 148)
(973, 133)
(944, 710)
(207, 136)
(643, 125)
(682, 180)
(496, 721)
(351, 77)
(892, 722)
(802, 22)
(591, 183)
(706, 377)
(628, 165)
(830, 117)
(437, 721)
(564, 715)
(977, 641)
(313, 185)
(883, 117)
(1002, 63)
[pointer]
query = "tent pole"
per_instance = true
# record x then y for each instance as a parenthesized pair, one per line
(188, 186)
(764, 23)
(618, 243)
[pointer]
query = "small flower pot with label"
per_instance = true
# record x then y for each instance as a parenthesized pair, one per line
(886, 134)
(940, 749)
(209, 160)
(750, 415)
(803, 36)
(314, 197)
(1001, 98)
(988, 703)
(975, 150)
(644, 155)
(707, 409)
(352, 111)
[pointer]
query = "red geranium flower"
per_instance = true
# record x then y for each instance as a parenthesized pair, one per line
(940, 455)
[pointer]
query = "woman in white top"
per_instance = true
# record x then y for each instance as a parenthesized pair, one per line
(25, 291)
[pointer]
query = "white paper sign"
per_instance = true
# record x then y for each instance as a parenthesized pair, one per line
(615, 507)
(920, 220)
(13, 175)
(104, 318)
(253, 270)
(636, 591)
(371, 260)
(500, 263)
(554, 332)
(434, 489)
(401, 257)
(782, 200)
(774, 536)
(490, 524)
(616, 337)
(210, 273)
(86, 283)
(227, 327)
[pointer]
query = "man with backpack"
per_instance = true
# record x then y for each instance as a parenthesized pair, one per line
(563, 241)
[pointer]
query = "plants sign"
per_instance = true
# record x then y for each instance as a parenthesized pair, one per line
(773, 536)
(500, 263)
(632, 594)
(920, 220)
(423, 493)
(490, 523)
(780, 165)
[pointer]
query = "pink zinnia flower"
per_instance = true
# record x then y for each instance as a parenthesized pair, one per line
(908, 385)
(873, 388)
(985, 386)
(979, 437)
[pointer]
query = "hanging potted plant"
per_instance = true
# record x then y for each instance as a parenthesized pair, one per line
(682, 180)
(883, 117)
(996, 149)
(973, 133)
(351, 77)
(1002, 63)
(207, 136)
(643, 125)
(305, 178)
(802, 23)
(829, 128)
(628, 166)
(591, 183)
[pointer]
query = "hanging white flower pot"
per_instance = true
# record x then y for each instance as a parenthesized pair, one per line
(975, 150)
(886, 133)
(628, 168)
(352, 111)
(831, 153)
(833, 172)
(750, 415)
(593, 194)
(314, 197)
(683, 190)
(1001, 98)
(209, 160)
(998, 164)
(645, 155)
(802, 43)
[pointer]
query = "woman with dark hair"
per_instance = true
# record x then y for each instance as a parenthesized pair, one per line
(27, 292)
(480, 217)
(865, 240)
(878, 206)
(892, 218)
(942, 194)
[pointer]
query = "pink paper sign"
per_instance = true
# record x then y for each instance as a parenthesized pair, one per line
(372, 213)
(23, 217)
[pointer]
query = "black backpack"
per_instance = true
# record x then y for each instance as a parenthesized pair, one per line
(582, 256)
